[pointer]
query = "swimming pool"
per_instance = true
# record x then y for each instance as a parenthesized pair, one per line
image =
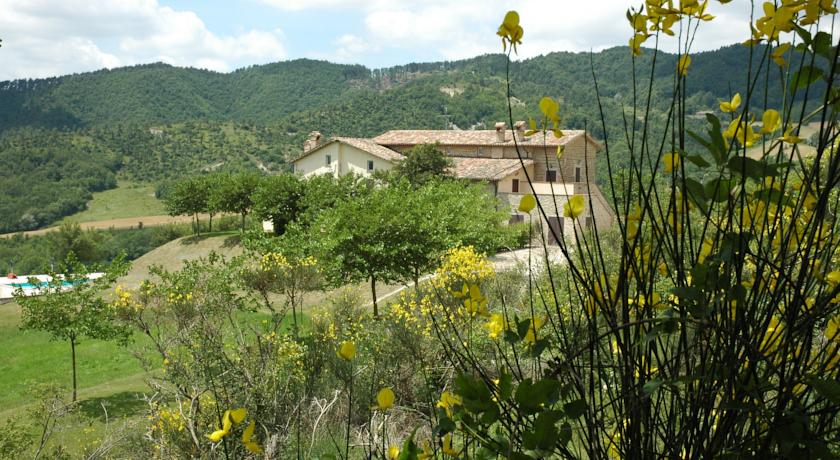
(42, 284)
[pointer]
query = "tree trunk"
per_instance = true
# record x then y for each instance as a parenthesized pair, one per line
(210, 230)
(73, 363)
(373, 292)
(243, 222)
(416, 277)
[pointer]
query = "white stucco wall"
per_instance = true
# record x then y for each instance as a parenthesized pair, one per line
(345, 159)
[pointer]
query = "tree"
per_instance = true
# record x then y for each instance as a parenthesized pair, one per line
(213, 190)
(396, 233)
(423, 163)
(322, 192)
(235, 192)
(71, 238)
(445, 214)
(187, 197)
(71, 307)
(364, 239)
(277, 198)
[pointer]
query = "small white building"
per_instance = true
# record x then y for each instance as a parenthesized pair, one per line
(343, 155)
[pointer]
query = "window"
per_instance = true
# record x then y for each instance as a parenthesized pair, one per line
(516, 218)
(514, 187)
(480, 152)
(588, 222)
(578, 174)
(551, 175)
(329, 160)
(370, 165)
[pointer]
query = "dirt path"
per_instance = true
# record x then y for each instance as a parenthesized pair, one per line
(116, 224)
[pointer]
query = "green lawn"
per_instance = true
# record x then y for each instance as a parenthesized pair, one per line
(129, 199)
(30, 357)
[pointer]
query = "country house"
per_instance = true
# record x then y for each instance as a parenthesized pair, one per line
(482, 155)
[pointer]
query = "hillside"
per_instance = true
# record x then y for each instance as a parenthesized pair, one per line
(67, 137)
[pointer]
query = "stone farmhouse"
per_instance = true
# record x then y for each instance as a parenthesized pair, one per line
(482, 155)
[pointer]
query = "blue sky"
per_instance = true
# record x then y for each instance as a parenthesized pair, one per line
(44, 38)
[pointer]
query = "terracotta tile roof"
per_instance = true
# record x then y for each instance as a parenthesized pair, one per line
(371, 147)
(486, 168)
(366, 145)
(468, 137)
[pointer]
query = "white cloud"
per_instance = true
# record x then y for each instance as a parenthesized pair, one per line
(466, 28)
(46, 38)
(349, 48)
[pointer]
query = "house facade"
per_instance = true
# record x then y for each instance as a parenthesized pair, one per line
(490, 156)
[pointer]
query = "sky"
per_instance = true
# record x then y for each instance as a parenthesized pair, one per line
(44, 38)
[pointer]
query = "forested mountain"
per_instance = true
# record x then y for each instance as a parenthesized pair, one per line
(153, 122)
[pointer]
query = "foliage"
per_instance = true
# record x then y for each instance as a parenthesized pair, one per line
(188, 197)
(70, 306)
(235, 192)
(708, 327)
(278, 199)
(422, 164)
(322, 192)
(20, 254)
(14, 440)
(396, 233)
(48, 175)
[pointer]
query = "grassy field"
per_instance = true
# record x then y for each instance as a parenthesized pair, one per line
(129, 199)
(30, 357)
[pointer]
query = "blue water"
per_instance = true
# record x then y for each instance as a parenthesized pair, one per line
(41, 284)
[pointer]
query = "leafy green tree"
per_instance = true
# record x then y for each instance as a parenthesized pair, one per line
(277, 198)
(71, 238)
(396, 233)
(73, 313)
(466, 215)
(187, 197)
(236, 192)
(445, 214)
(364, 239)
(322, 192)
(423, 163)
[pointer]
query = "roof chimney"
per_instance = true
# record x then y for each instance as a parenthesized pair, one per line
(500, 131)
(312, 141)
(520, 130)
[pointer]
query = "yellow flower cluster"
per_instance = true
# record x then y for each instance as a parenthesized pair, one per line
(169, 420)
(277, 261)
(177, 297)
(510, 30)
(125, 302)
(449, 401)
(784, 16)
(273, 260)
(290, 353)
(660, 16)
(415, 314)
(462, 265)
